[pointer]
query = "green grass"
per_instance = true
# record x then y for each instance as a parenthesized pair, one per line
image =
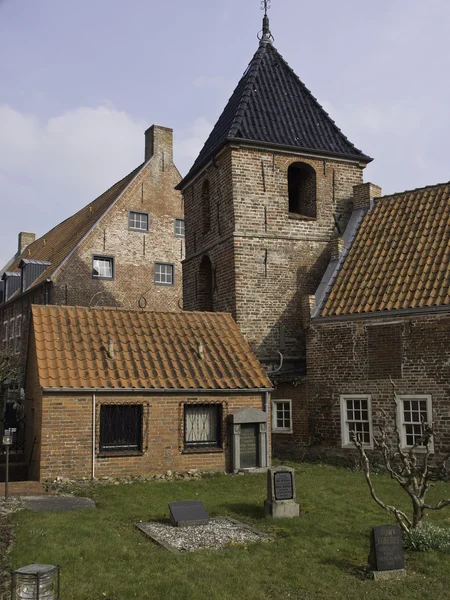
(318, 555)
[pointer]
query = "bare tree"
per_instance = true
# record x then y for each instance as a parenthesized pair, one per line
(411, 469)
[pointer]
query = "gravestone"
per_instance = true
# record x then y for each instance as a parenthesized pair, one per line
(281, 500)
(386, 558)
(185, 514)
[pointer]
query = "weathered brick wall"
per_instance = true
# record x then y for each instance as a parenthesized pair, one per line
(65, 442)
(340, 361)
(295, 444)
(265, 258)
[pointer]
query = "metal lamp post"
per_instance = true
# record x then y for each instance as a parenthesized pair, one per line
(36, 582)
(7, 443)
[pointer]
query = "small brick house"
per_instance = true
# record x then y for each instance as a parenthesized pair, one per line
(381, 323)
(114, 392)
(262, 203)
(123, 249)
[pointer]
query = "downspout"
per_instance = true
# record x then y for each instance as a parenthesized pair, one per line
(93, 435)
(266, 410)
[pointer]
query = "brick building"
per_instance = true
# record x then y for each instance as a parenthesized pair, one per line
(262, 203)
(123, 249)
(114, 392)
(381, 318)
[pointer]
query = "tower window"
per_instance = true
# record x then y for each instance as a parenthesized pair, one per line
(206, 207)
(302, 190)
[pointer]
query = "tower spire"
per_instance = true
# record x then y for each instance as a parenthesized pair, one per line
(266, 35)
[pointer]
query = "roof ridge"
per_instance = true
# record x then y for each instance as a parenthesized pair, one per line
(411, 191)
(126, 309)
(254, 65)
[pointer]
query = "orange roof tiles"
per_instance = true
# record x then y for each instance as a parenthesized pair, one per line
(56, 245)
(400, 257)
(152, 350)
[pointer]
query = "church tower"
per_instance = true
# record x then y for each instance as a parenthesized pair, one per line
(262, 203)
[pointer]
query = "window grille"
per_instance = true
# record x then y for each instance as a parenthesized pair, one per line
(163, 274)
(202, 425)
(103, 267)
(120, 427)
(138, 220)
(179, 227)
(282, 416)
(356, 419)
(414, 412)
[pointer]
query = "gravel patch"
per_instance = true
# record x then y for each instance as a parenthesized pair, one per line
(218, 533)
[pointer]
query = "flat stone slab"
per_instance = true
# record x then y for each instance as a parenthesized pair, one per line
(188, 513)
(386, 575)
(217, 534)
(57, 503)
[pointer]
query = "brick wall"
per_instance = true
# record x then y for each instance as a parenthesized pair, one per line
(341, 361)
(295, 444)
(264, 258)
(65, 439)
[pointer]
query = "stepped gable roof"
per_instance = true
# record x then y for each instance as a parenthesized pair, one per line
(400, 257)
(272, 106)
(111, 348)
(57, 244)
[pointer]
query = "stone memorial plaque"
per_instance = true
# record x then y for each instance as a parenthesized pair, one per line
(283, 484)
(386, 548)
(185, 514)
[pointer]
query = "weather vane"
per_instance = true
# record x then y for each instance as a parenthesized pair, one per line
(265, 5)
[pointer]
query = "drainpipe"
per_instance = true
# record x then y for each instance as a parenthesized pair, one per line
(93, 436)
(266, 410)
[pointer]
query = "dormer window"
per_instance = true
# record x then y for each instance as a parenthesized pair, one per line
(31, 270)
(11, 283)
(206, 207)
(302, 190)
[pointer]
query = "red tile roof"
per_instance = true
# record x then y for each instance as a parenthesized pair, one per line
(400, 257)
(151, 350)
(56, 245)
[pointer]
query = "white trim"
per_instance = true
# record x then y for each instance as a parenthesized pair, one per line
(276, 429)
(345, 432)
(401, 417)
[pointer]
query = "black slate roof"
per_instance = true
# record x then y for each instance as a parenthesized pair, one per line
(271, 105)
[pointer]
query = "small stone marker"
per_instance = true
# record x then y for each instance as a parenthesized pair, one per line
(281, 493)
(185, 514)
(386, 558)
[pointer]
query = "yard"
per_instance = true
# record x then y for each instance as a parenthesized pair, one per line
(318, 555)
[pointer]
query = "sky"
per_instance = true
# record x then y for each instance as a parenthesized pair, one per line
(81, 81)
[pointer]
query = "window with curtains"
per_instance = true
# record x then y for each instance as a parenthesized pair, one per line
(202, 425)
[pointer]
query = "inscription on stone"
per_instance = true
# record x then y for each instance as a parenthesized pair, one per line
(185, 514)
(283, 484)
(386, 548)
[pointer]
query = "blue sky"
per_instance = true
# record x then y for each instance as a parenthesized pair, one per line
(81, 81)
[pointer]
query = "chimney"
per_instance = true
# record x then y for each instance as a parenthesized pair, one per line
(25, 239)
(336, 247)
(159, 142)
(364, 193)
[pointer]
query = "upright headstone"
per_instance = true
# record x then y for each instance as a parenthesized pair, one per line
(281, 499)
(386, 558)
(184, 514)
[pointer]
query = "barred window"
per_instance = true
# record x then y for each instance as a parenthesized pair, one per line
(282, 416)
(356, 419)
(163, 274)
(103, 267)
(412, 413)
(138, 220)
(202, 425)
(179, 227)
(120, 427)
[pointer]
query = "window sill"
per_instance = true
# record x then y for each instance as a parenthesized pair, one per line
(352, 447)
(212, 450)
(282, 431)
(298, 217)
(118, 453)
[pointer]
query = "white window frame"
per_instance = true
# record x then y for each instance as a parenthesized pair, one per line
(157, 274)
(275, 428)
(345, 430)
(141, 214)
(5, 333)
(176, 222)
(11, 330)
(400, 399)
(108, 259)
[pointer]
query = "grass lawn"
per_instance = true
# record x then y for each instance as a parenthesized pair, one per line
(315, 556)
